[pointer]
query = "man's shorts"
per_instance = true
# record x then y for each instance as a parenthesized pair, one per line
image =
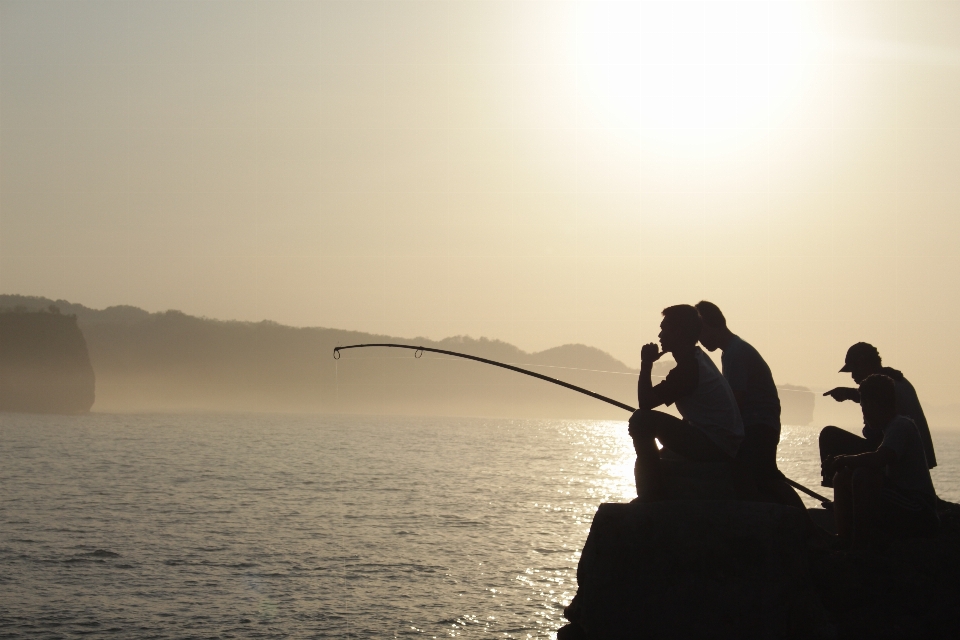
(904, 515)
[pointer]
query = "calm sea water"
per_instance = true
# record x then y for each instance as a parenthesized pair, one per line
(253, 526)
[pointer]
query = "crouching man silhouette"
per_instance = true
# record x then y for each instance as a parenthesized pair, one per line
(888, 489)
(863, 360)
(711, 429)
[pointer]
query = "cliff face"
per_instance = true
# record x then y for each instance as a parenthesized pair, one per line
(44, 364)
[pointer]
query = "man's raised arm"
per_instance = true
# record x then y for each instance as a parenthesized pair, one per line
(844, 393)
(649, 354)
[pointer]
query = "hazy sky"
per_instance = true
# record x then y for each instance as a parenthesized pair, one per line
(538, 172)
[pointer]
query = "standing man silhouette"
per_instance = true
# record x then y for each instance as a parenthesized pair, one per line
(759, 403)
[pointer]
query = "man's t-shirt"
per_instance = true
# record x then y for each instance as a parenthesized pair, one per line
(907, 405)
(749, 376)
(909, 473)
(704, 399)
(681, 381)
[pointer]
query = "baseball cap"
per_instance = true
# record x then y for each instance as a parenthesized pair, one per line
(860, 352)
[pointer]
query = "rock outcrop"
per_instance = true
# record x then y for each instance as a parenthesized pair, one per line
(729, 569)
(44, 364)
(900, 589)
(696, 569)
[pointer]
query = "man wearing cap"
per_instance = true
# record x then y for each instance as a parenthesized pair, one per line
(863, 360)
(889, 488)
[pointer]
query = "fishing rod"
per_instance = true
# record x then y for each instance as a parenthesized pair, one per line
(419, 351)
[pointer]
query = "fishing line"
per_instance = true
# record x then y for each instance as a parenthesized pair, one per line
(419, 351)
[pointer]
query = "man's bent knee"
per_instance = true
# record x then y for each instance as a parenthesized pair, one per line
(828, 434)
(643, 424)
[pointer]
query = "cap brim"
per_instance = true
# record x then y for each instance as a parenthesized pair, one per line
(846, 369)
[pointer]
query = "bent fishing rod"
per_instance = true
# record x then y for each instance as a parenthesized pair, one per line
(418, 351)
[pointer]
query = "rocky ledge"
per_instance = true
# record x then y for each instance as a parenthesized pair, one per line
(729, 569)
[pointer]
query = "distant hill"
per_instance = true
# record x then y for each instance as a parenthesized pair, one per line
(122, 314)
(171, 361)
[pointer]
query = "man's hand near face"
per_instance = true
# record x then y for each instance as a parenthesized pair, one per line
(650, 353)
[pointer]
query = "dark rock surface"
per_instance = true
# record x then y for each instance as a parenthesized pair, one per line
(686, 480)
(897, 589)
(697, 569)
(729, 569)
(44, 364)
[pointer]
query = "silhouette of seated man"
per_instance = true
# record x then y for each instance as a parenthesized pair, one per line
(711, 428)
(888, 489)
(757, 398)
(863, 360)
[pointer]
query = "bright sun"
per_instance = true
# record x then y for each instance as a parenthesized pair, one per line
(695, 75)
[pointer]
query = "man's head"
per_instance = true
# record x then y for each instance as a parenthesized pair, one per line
(878, 400)
(714, 330)
(862, 360)
(680, 328)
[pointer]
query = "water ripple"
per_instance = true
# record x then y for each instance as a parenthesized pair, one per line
(249, 526)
